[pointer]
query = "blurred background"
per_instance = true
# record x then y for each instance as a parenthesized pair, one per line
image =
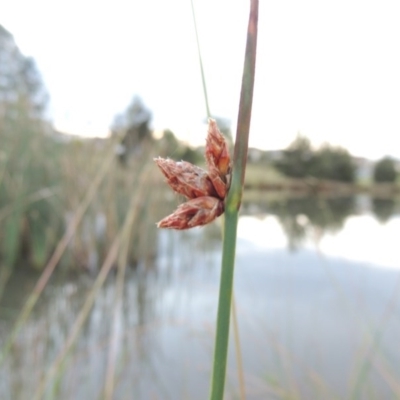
(95, 302)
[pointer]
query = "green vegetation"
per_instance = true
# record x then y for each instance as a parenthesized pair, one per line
(296, 161)
(42, 190)
(29, 173)
(330, 163)
(333, 163)
(385, 171)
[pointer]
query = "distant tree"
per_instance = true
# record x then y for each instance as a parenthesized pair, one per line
(28, 160)
(23, 106)
(133, 126)
(23, 96)
(333, 163)
(385, 170)
(297, 159)
(300, 161)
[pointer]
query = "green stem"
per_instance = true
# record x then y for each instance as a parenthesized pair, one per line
(224, 306)
(232, 207)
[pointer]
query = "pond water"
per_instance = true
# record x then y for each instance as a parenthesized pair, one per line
(317, 295)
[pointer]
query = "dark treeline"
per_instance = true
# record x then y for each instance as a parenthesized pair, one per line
(328, 162)
(300, 161)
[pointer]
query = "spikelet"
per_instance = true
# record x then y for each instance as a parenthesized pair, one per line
(205, 190)
(185, 178)
(218, 159)
(195, 212)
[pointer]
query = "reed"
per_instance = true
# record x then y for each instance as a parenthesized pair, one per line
(232, 206)
(43, 179)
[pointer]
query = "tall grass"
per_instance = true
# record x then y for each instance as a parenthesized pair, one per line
(62, 204)
(43, 181)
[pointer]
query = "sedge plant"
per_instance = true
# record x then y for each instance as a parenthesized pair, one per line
(214, 192)
(232, 206)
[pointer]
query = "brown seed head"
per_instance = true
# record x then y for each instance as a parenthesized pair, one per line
(196, 212)
(206, 191)
(217, 151)
(186, 178)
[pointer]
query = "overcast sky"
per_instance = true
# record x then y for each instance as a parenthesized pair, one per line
(327, 69)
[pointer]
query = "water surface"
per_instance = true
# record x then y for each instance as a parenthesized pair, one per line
(317, 289)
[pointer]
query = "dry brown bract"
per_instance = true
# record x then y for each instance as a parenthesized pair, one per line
(205, 190)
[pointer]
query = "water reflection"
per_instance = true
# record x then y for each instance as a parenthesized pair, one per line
(303, 217)
(307, 318)
(296, 215)
(383, 209)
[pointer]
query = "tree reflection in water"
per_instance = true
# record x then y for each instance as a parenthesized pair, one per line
(299, 215)
(383, 209)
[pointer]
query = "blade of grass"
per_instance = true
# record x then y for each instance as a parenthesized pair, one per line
(203, 79)
(232, 207)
